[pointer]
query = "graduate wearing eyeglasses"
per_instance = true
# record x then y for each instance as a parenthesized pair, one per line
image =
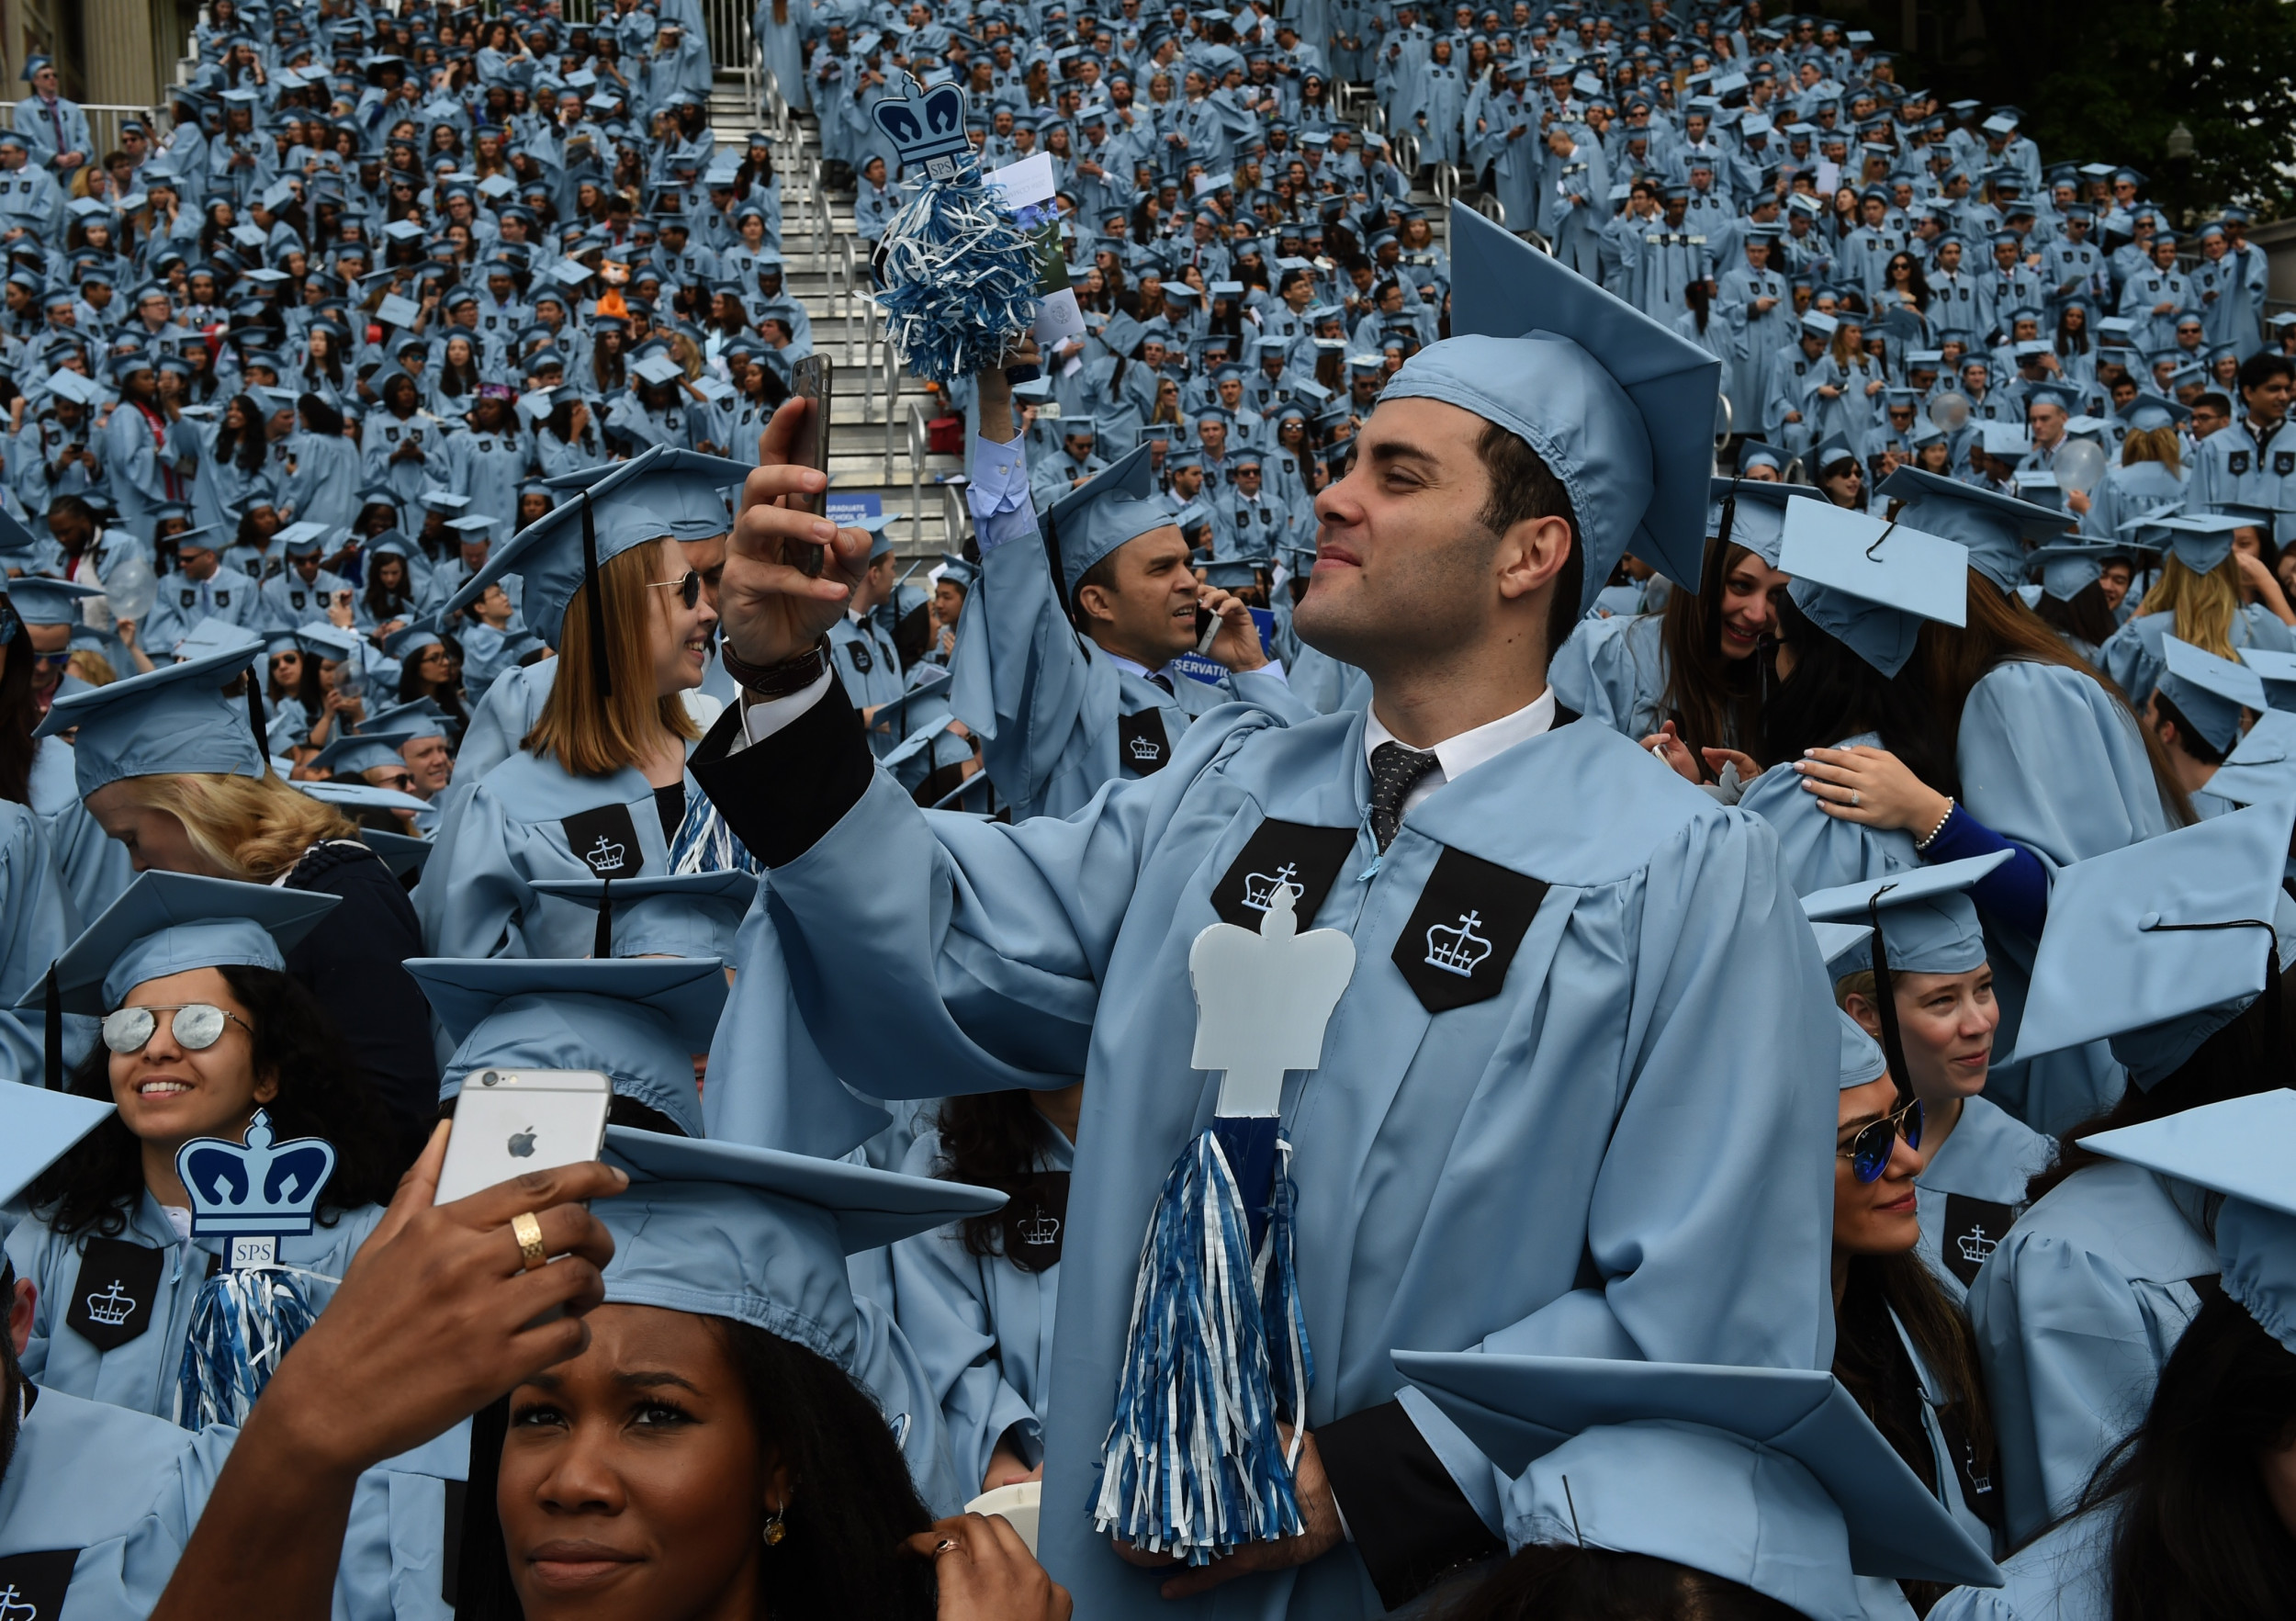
(202, 1029)
(598, 787)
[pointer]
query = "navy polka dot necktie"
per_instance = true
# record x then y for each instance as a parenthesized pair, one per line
(1395, 771)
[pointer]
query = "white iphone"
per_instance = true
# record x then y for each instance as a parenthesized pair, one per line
(510, 1121)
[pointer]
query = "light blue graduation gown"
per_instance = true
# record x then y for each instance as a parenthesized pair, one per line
(1461, 1174)
(501, 719)
(2065, 1575)
(521, 822)
(1973, 1187)
(2076, 1314)
(1612, 671)
(140, 1374)
(2134, 657)
(1056, 715)
(95, 865)
(38, 918)
(982, 1326)
(2050, 761)
(1822, 851)
(123, 1489)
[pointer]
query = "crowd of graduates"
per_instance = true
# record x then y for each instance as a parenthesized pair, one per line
(1788, 585)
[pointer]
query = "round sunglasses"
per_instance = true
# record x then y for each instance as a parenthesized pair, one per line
(1869, 1151)
(197, 1025)
(688, 587)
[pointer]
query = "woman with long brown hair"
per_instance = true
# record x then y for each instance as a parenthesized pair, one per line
(1692, 676)
(598, 789)
(2051, 761)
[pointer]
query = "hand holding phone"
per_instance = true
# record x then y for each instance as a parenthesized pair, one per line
(508, 1122)
(815, 384)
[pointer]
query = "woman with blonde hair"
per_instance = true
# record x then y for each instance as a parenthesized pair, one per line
(2200, 598)
(173, 765)
(598, 788)
(2149, 476)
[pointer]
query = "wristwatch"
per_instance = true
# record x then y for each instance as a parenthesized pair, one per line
(778, 680)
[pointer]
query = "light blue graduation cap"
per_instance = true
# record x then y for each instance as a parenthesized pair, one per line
(362, 752)
(1862, 1057)
(663, 494)
(2160, 944)
(1994, 527)
(421, 718)
(2200, 541)
(2263, 765)
(38, 599)
(2209, 692)
(1617, 405)
(2240, 1148)
(37, 1127)
(1870, 583)
(1751, 513)
(1768, 1477)
(640, 1020)
(760, 1237)
(958, 572)
(1092, 521)
(2070, 567)
(168, 923)
(676, 914)
(176, 718)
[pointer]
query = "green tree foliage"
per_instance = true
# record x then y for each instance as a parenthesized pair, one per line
(2106, 80)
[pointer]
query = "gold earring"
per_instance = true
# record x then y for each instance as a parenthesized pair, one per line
(774, 1530)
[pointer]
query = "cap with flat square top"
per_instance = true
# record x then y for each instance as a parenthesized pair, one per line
(2209, 692)
(640, 1020)
(2158, 945)
(1113, 507)
(168, 923)
(1928, 924)
(2202, 541)
(1768, 1477)
(177, 718)
(673, 914)
(662, 494)
(1619, 408)
(760, 1237)
(1869, 582)
(39, 599)
(39, 1126)
(1994, 527)
(2238, 1147)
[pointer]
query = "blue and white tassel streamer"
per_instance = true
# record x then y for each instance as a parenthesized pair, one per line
(957, 277)
(243, 1323)
(1194, 1463)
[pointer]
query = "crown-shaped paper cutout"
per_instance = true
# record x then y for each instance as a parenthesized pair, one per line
(1975, 1245)
(925, 127)
(255, 1188)
(111, 1308)
(1259, 888)
(605, 856)
(1459, 950)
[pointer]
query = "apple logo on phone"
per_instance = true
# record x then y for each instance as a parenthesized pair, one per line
(522, 1144)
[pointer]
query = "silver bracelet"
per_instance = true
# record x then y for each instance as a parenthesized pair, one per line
(1922, 844)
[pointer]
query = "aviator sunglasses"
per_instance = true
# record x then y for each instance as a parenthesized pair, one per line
(198, 1026)
(1869, 1151)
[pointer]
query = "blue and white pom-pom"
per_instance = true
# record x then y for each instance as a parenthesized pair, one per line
(1194, 1463)
(243, 1323)
(957, 276)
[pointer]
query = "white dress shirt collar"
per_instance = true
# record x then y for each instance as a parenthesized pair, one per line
(1455, 757)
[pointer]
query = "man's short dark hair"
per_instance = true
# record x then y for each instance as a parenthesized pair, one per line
(2212, 400)
(2264, 366)
(1524, 486)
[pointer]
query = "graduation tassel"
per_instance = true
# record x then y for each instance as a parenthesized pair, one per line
(1193, 1463)
(1885, 1000)
(255, 722)
(601, 675)
(54, 1021)
(242, 1324)
(601, 940)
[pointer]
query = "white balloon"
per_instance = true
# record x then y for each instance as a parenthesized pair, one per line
(1950, 411)
(131, 588)
(2079, 466)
